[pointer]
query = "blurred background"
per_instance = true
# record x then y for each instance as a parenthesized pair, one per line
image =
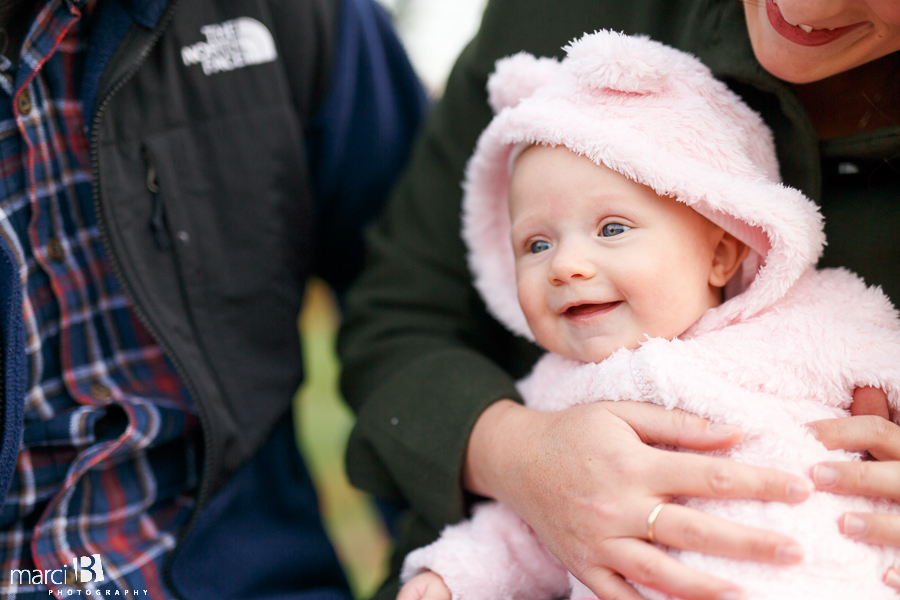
(433, 32)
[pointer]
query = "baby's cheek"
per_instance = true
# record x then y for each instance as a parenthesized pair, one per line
(529, 301)
(537, 314)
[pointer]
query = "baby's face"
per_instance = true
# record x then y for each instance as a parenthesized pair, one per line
(602, 261)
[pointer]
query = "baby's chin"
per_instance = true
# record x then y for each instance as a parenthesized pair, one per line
(599, 348)
(594, 353)
(595, 357)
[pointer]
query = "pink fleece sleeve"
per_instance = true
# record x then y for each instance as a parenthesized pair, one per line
(492, 556)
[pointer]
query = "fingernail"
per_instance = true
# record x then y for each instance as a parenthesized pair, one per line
(813, 430)
(799, 491)
(852, 526)
(789, 554)
(722, 430)
(825, 477)
(892, 579)
(731, 595)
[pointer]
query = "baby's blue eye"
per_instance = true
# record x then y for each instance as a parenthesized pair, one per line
(539, 246)
(613, 229)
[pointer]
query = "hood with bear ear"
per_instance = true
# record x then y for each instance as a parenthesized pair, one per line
(657, 116)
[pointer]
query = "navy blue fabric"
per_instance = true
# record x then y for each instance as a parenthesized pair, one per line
(359, 140)
(12, 331)
(145, 12)
(260, 536)
(110, 22)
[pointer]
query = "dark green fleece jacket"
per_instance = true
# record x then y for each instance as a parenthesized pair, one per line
(422, 359)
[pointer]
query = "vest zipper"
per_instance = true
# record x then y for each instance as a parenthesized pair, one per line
(204, 491)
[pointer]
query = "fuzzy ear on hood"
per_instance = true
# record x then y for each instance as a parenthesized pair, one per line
(657, 116)
(517, 77)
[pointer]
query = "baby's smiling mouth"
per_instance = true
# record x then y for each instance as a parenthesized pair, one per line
(587, 311)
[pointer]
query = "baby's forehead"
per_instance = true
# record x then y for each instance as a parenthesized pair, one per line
(554, 190)
(557, 175)
(525, 158)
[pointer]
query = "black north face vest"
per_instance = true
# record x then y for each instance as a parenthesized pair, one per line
(202, 196)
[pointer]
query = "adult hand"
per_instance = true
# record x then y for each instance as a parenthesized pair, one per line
(868, 429)
(586, 481)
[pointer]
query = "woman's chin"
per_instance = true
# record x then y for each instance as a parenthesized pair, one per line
(798, 63)
(798, 70)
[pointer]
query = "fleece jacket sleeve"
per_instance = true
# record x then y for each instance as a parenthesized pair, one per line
(492, 556)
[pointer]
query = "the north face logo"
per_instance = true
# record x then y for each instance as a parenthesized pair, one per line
(231, 45)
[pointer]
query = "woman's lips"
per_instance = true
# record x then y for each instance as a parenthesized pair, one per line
(793, 33)
(585, 312)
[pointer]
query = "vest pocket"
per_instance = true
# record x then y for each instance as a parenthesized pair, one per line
(157, 221)
(230, 214)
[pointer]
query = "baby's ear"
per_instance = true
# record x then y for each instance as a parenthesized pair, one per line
(730, 252)
(517, 77)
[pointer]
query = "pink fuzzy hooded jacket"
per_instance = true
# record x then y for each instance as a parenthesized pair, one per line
(788, 346)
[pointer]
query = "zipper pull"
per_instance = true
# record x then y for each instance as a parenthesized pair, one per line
(157, 212)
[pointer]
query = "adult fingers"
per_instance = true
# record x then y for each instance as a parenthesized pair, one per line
(657, 425)
(871, 528)
(874, 529)
(649, 566)
(609, 585)
(866, 478)
(695, 475)
(878, 436)
(892, 578)
(870, 401)
(684, 528)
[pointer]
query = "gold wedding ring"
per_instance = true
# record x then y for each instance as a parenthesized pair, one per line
(651, 520)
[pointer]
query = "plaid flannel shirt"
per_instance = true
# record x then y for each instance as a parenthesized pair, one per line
(107, 464)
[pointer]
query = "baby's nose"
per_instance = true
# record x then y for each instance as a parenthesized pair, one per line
(571, 262)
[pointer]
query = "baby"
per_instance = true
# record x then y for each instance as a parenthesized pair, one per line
(657, 258)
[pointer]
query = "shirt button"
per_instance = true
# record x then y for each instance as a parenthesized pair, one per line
(100, 391)
(55, 250)
(23, 102)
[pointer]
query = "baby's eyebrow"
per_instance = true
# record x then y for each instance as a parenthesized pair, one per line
(519, 225)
